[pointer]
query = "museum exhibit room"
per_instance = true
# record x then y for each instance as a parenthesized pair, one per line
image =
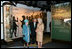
(36, 24)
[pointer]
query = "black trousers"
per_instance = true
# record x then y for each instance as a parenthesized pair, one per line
(33, 38)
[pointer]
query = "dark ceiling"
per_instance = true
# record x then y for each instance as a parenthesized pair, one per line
(41, 4)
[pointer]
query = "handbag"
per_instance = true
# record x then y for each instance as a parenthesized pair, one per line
(23, 35)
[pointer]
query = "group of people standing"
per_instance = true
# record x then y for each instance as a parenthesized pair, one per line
(33, 29)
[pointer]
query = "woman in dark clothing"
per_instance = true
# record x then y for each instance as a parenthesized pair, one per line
(15, 26)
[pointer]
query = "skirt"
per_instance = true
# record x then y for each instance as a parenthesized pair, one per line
(39, 36)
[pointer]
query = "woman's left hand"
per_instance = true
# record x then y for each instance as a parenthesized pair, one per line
(35, 30)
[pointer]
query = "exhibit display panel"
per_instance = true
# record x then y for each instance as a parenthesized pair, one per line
(7, 15)
(13, 17)
(61, 21)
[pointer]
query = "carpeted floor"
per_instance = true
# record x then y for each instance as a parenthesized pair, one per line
(47, 43)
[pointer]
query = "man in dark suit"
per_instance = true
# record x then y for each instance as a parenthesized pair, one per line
(33, 26)
(22, 21)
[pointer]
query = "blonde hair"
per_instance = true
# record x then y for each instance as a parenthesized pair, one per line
(40, 20)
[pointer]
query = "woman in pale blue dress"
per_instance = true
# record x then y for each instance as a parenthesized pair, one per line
(26, 32)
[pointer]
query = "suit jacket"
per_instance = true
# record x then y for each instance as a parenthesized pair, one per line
(32, 28)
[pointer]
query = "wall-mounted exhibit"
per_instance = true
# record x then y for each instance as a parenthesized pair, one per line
(13, 17)
(61, 21)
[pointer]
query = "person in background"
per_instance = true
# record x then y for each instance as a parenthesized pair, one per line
(31, 18)
(39, 32)
(27, 17)
(15, 25)
(33, 26)
(26, 32)
(11, 26)
(22, 21)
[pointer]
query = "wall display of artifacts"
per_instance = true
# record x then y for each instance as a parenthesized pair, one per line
(13, 17)
(7, 21)
(61, 21)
